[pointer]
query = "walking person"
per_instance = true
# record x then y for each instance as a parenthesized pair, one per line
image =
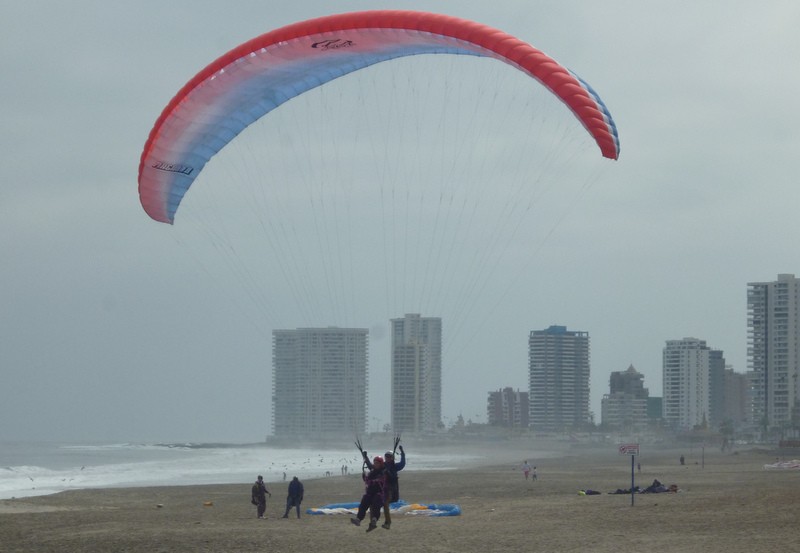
(295, 497)
(526, 469)
(258, 496)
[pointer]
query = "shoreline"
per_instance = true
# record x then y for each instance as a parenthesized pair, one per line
(122, 466)
(727, 503)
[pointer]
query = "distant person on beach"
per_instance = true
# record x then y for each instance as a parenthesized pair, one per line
(534, 476)
(682, 460)
(374, 494)
(295, 497)
(258, 496)
(526, 469)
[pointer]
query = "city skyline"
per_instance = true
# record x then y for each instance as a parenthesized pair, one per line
(137, 331)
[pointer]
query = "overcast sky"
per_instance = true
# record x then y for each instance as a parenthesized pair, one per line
(111, 331)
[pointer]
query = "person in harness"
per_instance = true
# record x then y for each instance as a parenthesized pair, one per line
(392, 482)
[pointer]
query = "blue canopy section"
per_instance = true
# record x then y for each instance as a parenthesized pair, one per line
(400, 507)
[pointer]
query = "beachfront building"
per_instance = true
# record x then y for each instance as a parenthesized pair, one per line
(655, 410)
(319, 381)
(558, 376)
(735, 408)
(716, 388)
(416, 373)
(625, 406)
(688, 365)
(508, 408)
(773, 323)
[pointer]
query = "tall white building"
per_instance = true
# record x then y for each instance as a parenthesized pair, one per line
(558, 376)
(773, 322)
(416, 373)
(687, 382)
(319, 381)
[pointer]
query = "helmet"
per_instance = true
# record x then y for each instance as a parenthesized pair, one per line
(378, 461)
(388, 455)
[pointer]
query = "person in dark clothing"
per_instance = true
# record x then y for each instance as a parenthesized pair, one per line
(374, 494)
(258, 496)
(295, 497)
(392, 482)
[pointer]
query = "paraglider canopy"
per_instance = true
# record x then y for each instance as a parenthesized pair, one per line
(263, 73)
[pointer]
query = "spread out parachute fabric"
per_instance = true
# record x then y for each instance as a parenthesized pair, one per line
(397, 508)
(263, 73)
(783, 465)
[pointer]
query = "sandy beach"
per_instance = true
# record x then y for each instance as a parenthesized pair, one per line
(727, 503)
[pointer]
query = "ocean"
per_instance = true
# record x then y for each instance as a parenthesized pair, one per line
(35, 468)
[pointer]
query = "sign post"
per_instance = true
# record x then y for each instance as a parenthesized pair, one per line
(633, 451)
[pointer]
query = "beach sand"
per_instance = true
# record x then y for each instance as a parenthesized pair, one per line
(727, 503)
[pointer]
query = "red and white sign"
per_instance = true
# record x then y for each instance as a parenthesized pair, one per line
(629, 449)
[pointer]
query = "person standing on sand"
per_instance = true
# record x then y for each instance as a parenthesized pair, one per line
(258, 496)
(295, 497)
(392, 482)
(534, 476)
(526, 469)
(374, 495)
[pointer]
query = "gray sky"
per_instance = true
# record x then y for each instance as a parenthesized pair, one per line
(117, 328)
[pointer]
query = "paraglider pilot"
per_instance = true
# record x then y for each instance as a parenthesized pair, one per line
(392, 482)
(374, 495)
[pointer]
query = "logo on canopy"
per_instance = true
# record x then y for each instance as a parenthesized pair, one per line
(333, 44)
(173, 167)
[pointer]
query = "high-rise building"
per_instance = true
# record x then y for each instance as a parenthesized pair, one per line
(509, 408)
(688, 366)
(319, 381)
(625, 406)
(735, 398)
(716, 388)
(558, 375)
(416, 373)
(773, 322)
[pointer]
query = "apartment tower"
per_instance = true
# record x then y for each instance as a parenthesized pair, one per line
(625, 406)
(558, 375)
(689, 366)
(509, 408)
(319, 381)
(416, 387)
(773, 359)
